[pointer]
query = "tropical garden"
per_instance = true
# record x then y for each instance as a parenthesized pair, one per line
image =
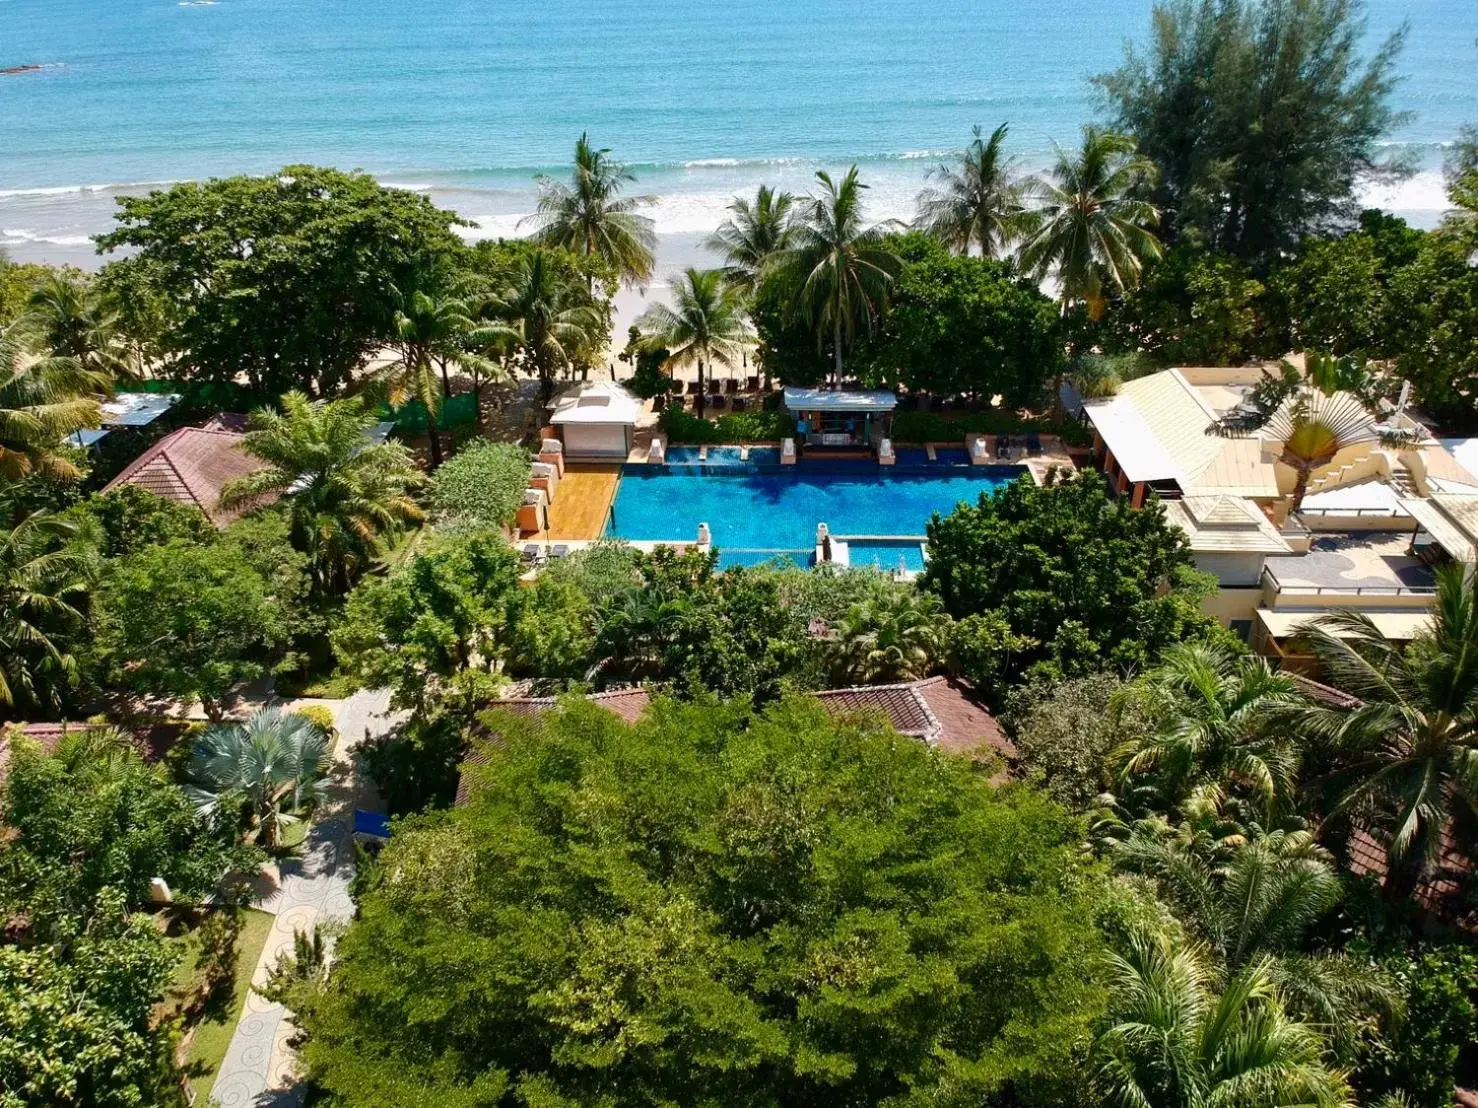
(1205, 882)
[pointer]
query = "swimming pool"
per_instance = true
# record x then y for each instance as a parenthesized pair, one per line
(723, 457)
(887, 554)
(778, 508)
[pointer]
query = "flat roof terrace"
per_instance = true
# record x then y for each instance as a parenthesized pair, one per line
(1375, 564)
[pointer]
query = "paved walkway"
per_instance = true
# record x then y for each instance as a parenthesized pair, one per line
(258, 1069)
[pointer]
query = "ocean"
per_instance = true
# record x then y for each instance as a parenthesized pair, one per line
(468, 99)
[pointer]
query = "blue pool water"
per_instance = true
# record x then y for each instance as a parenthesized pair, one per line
(778, 508)
(723, 457)
(887, 554)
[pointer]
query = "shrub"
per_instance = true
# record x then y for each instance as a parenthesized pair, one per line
(484, 484)
(681, 426)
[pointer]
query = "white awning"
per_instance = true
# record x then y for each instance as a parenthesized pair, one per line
(602, 402)
(137, 409)
(839, 400)
(1402, 626)
(1448, 534)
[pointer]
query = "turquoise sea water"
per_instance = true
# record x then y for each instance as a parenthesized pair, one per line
(469, 98)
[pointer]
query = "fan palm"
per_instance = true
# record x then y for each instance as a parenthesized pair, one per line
(551, 322)
(705, 325)
(44, 577)
(1410, 750)
(1175, 1043)
(753, 236)
(65, 318)
(976, 202)
(276, 763)
(42, 401)
(838, 267)
(590, 216)
(343, 492)
(432, 333)
(1314, 416)
(892, 635)
(1217, 740)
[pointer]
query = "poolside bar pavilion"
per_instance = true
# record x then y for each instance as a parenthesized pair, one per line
(841, 417)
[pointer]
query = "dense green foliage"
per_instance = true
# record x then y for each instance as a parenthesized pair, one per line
(713, 908)
(758, 426)
(288, 279)
(1090, 581)
(1261, 116)
(482, 486)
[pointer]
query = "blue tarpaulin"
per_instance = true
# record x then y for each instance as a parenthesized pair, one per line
(371, 823)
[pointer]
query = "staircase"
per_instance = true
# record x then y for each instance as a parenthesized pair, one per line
(1402, 482)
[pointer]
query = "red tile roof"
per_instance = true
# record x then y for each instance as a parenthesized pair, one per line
(1440, 889)
(152, 741)
(191, 466)
(938, 711)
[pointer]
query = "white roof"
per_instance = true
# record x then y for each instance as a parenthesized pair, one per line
(137, 409)
(596, 402)
(1402, 625)
(1156, 428)
(1225, 525)
(838, 400)
(1465, 453)
(1367, 494)
(1451, 519)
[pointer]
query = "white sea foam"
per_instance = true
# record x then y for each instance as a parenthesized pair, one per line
(1422, 192)
(12, 236)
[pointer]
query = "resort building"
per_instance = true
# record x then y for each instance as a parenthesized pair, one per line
(596, 421)
(1373, 521)
(840, 418)
(191, 466)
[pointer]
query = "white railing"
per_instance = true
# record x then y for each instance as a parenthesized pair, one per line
(1271, 578)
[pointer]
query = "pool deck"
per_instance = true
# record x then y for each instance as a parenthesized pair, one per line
(584, 500)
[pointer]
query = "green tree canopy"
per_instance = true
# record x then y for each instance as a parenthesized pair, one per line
(711, 907)
(958, 324)
(591, 217)
(1084, 576)
(287, 279)
(1262, 116)
(482, 486)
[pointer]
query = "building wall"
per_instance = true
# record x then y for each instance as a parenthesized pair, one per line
(1232, 570)
(1228, 606)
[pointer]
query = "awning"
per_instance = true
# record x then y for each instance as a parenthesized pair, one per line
(838, 400)
(1447, 533)
(603, 402)
(137, 409)
(1402, 626)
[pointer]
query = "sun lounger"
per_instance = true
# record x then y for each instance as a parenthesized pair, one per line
(560, 550)
(1003, 446)
(716, 400)
(1033, 443)
(693, 388)
(752, 384)
(531, 554)
(740, 404)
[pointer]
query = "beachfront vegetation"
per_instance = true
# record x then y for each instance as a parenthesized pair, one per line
(705, 326)
(754, 235)
(976, 203)
(287, 280)
(42, 401)
(1262, 117)
(714, 907)
(590, 217)
(45, 578)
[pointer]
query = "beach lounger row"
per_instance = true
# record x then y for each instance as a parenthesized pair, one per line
(1029, 443)
(534, 555)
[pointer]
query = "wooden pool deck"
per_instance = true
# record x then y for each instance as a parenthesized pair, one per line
(584, 500)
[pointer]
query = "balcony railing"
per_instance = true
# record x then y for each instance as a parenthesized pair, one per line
(1270, 579)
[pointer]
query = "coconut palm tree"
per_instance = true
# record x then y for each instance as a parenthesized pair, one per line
(65, 318)
(431, 333)
(590, 216)
(838, 268)
(1409, 752)
(1218, 742)
(892, 635)
(755, 233)
(977, 201)
(705, 325)
(44, 579)
(276, 764)
(635, 628)
(344, 493)
(1314, 415)
(1087, 227)
(551, 323)
(1174, 1042)
(42, 401)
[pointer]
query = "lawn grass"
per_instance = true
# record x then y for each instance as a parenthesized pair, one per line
(213, 1033)
(332, 685)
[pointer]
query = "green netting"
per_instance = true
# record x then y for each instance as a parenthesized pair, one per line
(455, 411)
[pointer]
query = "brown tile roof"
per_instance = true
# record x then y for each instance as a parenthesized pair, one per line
(1439, 891)
(1325, 694)
(228, 421)
(153, 741)
(191, 466)
(938, 710)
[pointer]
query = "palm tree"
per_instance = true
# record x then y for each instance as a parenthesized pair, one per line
(1256, 896)
(1088, 229)
(1314, 415)
(276, 763)
(892, 635)
(706, 324)
(1217, 740)
(44, 578)
(551, 322)
(838, 267)
(590, 216)
(432, 333)
(42, 401)
(975, 203)
(753, 236)
(65, 318)
(1175, 1043)
(635, 629)
(343, 492)
(1410, 750)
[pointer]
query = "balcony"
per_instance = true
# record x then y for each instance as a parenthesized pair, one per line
(1359, 570)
